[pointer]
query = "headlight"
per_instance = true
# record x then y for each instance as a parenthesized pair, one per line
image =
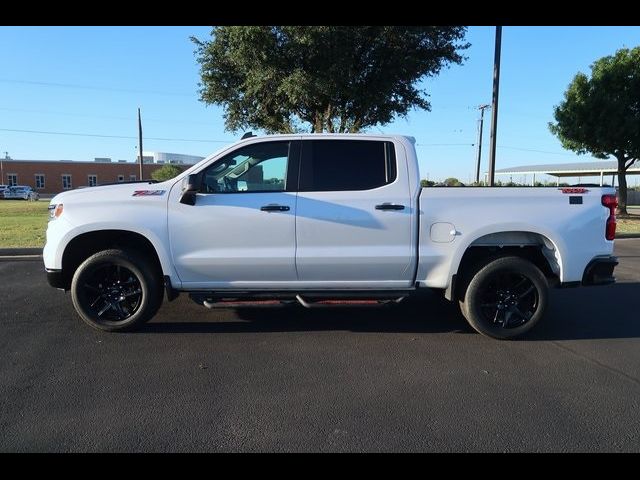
(55, 210)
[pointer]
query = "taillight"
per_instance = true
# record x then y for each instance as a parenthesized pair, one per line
(611, 202)
(55, 211)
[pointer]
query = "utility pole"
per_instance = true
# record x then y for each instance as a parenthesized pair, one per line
(482, 108)
(140, 143)
(494, 106)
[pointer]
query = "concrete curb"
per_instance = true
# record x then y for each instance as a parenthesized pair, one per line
(9, 252)
(21, 258)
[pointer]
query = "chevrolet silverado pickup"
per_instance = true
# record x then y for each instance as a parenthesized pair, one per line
(324, 220)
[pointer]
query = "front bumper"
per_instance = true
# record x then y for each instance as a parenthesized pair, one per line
(599, 271)
(56, 279)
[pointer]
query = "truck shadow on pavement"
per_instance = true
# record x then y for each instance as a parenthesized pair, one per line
(573, 314)
(591, 313)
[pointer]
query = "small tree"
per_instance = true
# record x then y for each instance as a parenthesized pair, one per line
(331, 78)
(166, 172)
(601, 114)
(452, 182)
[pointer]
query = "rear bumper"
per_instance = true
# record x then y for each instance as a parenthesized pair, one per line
(55, 278)
(599, 271)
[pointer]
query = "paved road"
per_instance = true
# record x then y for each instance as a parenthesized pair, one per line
(411, 379)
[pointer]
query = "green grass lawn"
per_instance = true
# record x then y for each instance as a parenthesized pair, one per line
(23, 223)
(628, 224)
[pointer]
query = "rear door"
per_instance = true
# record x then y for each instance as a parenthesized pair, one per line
(354, 215)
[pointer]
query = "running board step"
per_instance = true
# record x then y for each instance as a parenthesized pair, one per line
(360, 302)
(213, 303)
(246, 303)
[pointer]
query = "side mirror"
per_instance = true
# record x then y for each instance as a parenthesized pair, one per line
(190, 186)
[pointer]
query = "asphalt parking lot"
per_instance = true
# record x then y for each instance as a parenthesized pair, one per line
(413, 378)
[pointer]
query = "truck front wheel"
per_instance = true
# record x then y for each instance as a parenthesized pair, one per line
(505, 298)
(115, 290)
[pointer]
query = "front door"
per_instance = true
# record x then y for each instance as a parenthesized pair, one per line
(241, 231)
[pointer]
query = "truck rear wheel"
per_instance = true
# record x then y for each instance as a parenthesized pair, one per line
(505, 298)
(114, 290)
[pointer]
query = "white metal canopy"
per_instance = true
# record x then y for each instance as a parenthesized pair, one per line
(579, 169)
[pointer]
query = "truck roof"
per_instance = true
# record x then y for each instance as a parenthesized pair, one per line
(334, 135)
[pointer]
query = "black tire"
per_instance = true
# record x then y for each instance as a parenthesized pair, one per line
(506, 298)
(116, 291)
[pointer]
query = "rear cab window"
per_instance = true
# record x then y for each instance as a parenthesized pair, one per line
(346, 165)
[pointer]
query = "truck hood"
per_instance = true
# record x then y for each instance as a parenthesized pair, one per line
(115, 192)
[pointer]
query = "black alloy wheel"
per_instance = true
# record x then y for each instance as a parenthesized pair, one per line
(117, 290)
(114, 292)
(509, 299)
(505, 298)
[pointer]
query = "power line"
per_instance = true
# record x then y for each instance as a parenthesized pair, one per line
(92, 87)
(200, 140)
(75, 134)
(500, 146)
(53, 112)
(444, 144)
(536, 151)
(111, 117)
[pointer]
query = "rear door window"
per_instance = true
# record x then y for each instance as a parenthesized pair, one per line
(339, 165)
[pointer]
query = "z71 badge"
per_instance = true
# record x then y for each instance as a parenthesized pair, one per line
(146, 193)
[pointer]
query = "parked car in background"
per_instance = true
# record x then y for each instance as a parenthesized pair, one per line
(2, 189)
(21, 192)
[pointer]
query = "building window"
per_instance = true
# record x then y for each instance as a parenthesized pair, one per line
(132, 178)
(121, 178)
(66, 182)
(12, 179)
(39, 181)
(92, 180)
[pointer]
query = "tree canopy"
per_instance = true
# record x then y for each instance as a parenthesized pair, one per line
(600, 114)
(284, 79)
(166, 172)
(452, 182)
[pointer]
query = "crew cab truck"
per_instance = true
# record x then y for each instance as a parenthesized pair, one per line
(324, 220)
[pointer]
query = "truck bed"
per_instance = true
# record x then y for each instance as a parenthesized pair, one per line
(569, 222)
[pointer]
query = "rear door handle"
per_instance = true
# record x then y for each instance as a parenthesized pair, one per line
(389, 206)
(275, 208)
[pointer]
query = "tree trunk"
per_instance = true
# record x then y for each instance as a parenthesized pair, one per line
(328, 119)
(622, 187)
(319, 123)
(343, 123)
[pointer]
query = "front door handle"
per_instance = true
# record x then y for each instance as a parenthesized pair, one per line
(275, 208)
(389, 206)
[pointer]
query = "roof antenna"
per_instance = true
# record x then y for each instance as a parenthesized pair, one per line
(248, 135)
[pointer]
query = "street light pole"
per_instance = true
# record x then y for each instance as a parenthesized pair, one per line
(2, 159)
(481, 123)
(140, 143)
(494, 106)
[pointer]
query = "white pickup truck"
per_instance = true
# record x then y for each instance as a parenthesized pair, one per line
(324, 220)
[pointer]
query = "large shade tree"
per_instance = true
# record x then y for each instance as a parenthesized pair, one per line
(600, 114)
(336, 79)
